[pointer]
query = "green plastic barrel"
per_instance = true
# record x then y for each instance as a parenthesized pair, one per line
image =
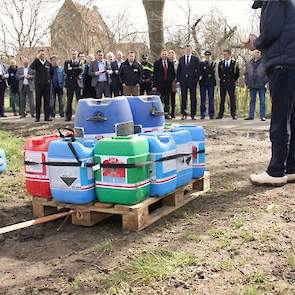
(126, 186)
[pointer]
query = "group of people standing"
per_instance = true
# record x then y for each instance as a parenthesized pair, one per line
(110, 76)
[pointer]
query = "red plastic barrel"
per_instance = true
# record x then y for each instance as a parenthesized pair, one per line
(37, 178)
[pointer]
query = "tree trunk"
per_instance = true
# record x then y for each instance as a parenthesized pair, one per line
(155, 13)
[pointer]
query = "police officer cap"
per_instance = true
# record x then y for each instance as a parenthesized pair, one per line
(207, 53)
(145, 56)
(257, 4)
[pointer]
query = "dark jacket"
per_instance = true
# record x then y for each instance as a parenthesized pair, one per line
(277, 33)
(42, 73)
(207, 74)
(147, 72)
(130, 74)
(188, 73)
(158, 78)
(228, 75)
(73, 71)
(115, 78)
(255, 75)
(12, 80)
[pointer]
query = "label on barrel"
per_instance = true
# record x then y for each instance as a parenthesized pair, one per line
(114, 175)
(35, 157)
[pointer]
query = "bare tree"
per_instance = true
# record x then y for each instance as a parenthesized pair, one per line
(23, 24)
(155, 13)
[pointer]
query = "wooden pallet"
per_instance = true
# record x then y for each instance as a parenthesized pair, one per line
(135, 217)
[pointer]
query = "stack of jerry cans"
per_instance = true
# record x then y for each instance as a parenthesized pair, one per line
(198, 150)
(183, 140)
(3, 161)
(104, 118)
(148, 113)
(122, 185)
(37, 174)
(70, 171)
(162, 149)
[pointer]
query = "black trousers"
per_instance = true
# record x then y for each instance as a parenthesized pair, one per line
(146, 87)
(282, 128)
(43, 91)
(117, 89)
(186, 86)
(173, 103)
(165, 92)
(70, 96)
(231, 90)
(2, 94)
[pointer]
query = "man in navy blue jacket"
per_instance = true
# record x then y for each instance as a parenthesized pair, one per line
(188, 77)
(277, 43)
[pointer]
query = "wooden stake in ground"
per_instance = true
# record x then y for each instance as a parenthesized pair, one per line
(17, 226)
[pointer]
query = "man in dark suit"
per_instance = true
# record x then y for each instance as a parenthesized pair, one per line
(207, 84)
(42, 84)
(229, 73)
(73, 69)
(188, 76)
(164, 75)
(115, 78)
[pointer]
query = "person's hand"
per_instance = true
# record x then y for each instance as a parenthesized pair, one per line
(97, 73)
(249, 44)
(154, 89)
(124, 85)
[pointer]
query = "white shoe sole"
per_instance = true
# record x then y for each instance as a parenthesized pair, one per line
(256, 183)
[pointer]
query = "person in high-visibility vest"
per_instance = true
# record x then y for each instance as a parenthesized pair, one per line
(147, 76)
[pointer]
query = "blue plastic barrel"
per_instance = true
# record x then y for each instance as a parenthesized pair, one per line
(71, 180)
(183, 141)
(148, 113)
(199, 158)
(3, 161)
(162, 147)
(98, 118)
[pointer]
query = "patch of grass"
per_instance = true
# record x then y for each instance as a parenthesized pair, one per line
(291, 260)
(148, 267)
(247, 236)
(191, 236)
(226, 265)
(77, 283)
(238, 223)
(264, 237)
(105, 247)
(251, 290)
(258, 278)
(13, 147)
(224, 243)
(217, 233)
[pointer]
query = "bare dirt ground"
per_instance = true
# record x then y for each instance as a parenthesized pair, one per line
(237, 239)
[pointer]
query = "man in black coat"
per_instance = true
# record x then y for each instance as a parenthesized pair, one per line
(73, 70)
(188, 76)
(42, 84)
(229, 73)
(277, 44)
(164, 75)
(207, 84)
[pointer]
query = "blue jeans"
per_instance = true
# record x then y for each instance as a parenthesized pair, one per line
(59, 94)
(203, 92)
(253, 94)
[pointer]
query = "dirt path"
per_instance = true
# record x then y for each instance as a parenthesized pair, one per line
(239, 239)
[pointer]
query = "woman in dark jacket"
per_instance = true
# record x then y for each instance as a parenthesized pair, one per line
(255, 79)
(13, 86)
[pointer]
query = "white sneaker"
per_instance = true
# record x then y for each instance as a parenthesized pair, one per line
(267, 180)
(291, 178)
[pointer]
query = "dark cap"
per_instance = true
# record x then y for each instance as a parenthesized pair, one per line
(144, 56)
(257, 4)
(207, 53)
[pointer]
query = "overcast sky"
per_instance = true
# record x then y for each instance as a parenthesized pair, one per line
(236, 11)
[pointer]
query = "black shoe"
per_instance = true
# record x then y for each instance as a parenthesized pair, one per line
(193, 118)
(15, 114)
(32, 115)
(235, 118)
(22, 116)
(263, 119)
(184, 117)
(52, 115)
(167, 117)
(202, 117)
(62, 116)
(37, 120)
(173, 116)
(48, 120)
(3, 116)
(212, 118)
(248, 119)
(68, 119)
(219, 117)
